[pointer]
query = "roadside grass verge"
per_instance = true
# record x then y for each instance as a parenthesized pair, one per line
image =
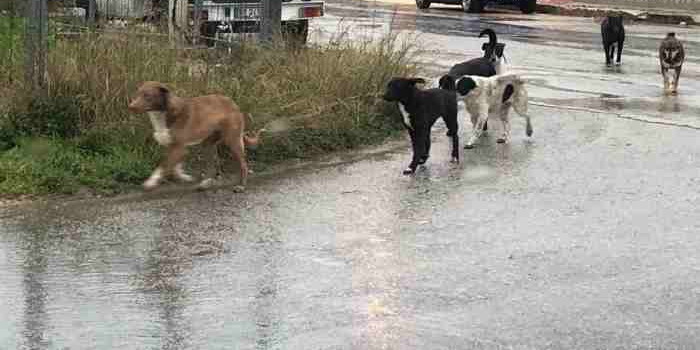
(312, 101)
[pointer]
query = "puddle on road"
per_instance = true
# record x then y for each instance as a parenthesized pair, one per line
(323, 253)
(672, 108)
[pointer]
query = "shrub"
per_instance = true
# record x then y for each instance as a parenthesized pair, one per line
(55, 116)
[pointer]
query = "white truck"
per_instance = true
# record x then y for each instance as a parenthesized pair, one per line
(222, 19)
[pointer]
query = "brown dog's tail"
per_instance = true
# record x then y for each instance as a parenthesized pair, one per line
(253, 141)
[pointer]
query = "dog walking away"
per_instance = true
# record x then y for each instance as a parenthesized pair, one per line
(671, 55)
(183, 122)
(420, 109)
(484, 96)
(488, 65)
(613, 32)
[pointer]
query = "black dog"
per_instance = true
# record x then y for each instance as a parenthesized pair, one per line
(420, 109)
(613, 32)
(486, 66)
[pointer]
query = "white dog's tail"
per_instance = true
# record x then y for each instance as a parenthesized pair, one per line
(520, 94)
(519, 97)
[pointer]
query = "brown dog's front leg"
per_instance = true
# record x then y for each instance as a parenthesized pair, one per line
(174, 156)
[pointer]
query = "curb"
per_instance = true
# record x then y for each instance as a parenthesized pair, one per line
(635, 15)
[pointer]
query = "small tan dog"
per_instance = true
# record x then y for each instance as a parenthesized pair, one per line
(183, 122)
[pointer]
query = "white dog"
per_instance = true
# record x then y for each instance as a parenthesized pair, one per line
(493, 95)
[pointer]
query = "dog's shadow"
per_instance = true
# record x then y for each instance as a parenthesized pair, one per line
(669, 103)
(507, 159)
(484, 163)
(434, 186)
(613, 68)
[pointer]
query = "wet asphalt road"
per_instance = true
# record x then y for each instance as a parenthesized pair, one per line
(583, 237)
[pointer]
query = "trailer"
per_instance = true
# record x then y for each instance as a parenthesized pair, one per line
(227, 19)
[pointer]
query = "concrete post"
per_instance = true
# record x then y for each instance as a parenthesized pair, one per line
(36, 45)
(271, 25)
(197, 21)
(92, 11)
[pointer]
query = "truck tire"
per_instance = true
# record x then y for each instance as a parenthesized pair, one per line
(207, 33)
(528, 6)
(473, 6)
(295, 33)
(422, 4)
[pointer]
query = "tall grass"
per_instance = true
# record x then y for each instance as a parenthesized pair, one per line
(311, 100)
(11, 49)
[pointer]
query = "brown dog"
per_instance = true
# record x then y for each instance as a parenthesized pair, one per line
(183, 122)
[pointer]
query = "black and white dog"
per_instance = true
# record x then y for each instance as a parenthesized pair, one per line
(613, 32)
(420, 109)
(486, 95)
(671, 55)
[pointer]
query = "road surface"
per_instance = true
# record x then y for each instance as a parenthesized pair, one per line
(582, 237)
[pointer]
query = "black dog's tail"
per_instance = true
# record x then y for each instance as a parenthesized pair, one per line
(493, 40)
(489, 47)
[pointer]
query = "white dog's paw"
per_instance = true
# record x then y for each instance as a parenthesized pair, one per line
(181, 175)
(163, 137)
(151, 184)
(185, 177)
(205, 184)
(238, 189)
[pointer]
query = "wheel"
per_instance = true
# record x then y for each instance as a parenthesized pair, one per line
(528, 6)
(296, 33)
(207, 33)
(422, 4)
(473, 6)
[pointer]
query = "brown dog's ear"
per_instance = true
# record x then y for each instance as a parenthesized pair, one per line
(416, 81)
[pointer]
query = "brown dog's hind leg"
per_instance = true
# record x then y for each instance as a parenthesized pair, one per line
(210, 159)
(238, 153)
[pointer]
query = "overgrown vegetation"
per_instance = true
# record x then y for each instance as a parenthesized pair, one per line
(11, 46)
(311, 101)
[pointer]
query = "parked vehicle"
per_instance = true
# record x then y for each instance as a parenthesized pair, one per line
(225, 18)
(476, 6)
